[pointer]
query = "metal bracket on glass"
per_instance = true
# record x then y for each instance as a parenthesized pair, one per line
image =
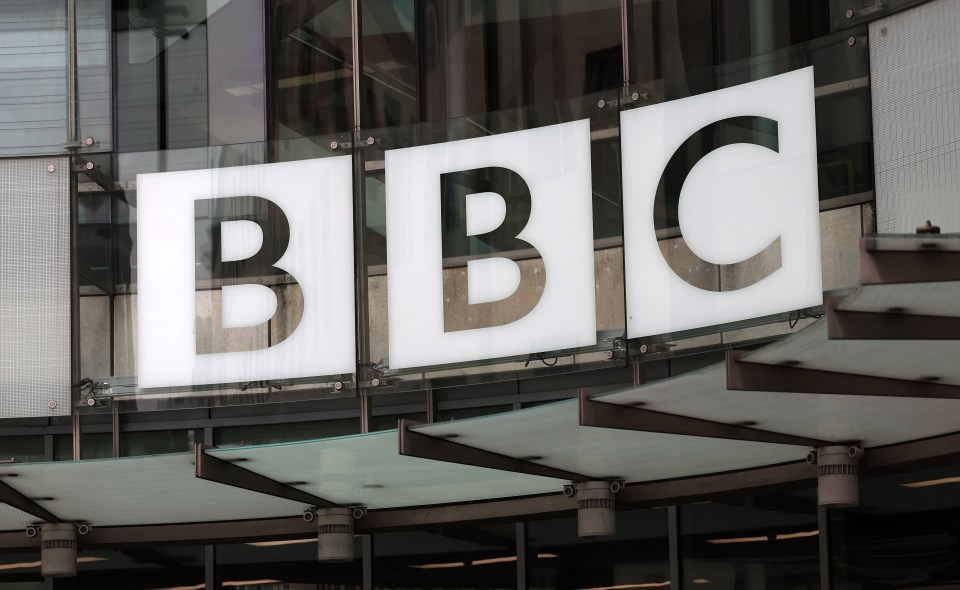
(346, 145)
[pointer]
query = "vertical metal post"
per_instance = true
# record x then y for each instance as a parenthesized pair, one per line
(823, 525)
(208, 436)
(364, 369)
(211, 580)
(676, 563)
(367, 542)
(638, 376)
(626, 11)
(366, 413)
(73, 131)
(522, 563)
(76, 438)
(431, 406)
(115, 431)
(49, 447)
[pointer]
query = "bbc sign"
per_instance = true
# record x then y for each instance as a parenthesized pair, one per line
(438, 194)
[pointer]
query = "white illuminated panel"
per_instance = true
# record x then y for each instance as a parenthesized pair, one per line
(735, 201)
(554, 162)
(316, 197)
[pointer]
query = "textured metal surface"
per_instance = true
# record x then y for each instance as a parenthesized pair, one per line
(915, 74)
(34, 287)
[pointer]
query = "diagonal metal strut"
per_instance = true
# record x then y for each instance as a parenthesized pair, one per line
(424, 446)
(217, 470)
(12, 497)
(608, 415)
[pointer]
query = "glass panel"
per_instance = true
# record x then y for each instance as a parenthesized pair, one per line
(22, 448)
(470, 203)
(158, 442)
(900, 536)
(92, 446)
(94, 80)
(463, 413)
(276, 433)
(843, 121)
(434, 60)
(390, 422)
(848, 13)
(135, 569)
(456, 557)
(636, 557)
(759, 543)
(268, 299)
(288, 564)
(311, 68)
(33, 62)
(189, 73)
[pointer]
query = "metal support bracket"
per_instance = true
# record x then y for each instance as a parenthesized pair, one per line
(889, 325)
(747, 376)
(423, 446)
(12, 497)
(608, 415)
(217, 470)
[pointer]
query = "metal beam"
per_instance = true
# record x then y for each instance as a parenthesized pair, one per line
(868, 325)
(747, 376)
(423, 446)
(220, 471)
(607, 415)
(12, 497)
(928, 265)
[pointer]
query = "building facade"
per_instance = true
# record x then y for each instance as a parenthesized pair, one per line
(449, 266)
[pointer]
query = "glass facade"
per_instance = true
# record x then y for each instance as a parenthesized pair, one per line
(115, 111)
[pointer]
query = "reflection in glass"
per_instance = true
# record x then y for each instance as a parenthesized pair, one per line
(763, 542)
(636, 557)
(457, 557)
(263, 434)
(435, 60)
(902, 535)
(286, 564)
(135, 569)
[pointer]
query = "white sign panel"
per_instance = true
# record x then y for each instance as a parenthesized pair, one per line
(308, 202)
(750, 199)
(552, 165)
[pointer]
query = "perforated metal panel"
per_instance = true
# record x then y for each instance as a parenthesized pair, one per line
(915, 78)
(34, 287)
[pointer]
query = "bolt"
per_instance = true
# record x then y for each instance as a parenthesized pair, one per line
(851, 41)
(635, 96)
(883, 31)
(371, 141)
(88, 165)
(52, 404)
(88, 141)
(338, 385)
(850, 13)
(51, 168)
(91, 402)
(375, 382)
(334, 145)
(609, 354)
(601, 103)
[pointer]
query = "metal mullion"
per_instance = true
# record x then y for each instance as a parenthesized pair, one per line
(523, 567)
(673, 536)
(823, 525)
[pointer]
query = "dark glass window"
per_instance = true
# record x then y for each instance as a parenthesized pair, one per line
(158, 442)
(290, 563)
(457, 557)
(757, 543)
(21, 448)
(636, 557)
(136, 569)
(263, 434)
(903, 534)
